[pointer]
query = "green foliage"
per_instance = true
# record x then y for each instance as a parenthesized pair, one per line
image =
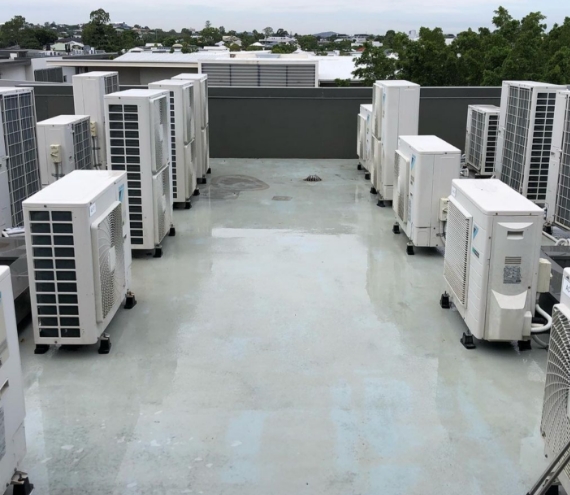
(374, 65)
(308, 43)
(17, 32)
(99, 34)
(342, 83)
(283, 48)
(234, 47)
(254, 48)
(515, 49)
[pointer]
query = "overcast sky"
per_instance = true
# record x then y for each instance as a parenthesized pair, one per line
(301, 16)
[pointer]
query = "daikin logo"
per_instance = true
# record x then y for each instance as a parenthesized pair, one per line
(413, 161)
(121, 193)
(475, 231)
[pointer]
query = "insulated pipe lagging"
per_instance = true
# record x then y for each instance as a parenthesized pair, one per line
(543, 328)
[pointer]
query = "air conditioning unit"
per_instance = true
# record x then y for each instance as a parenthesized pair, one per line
(19, 168)
(139, 143)
(366, 159)
(491, 266)
(202, 120)
(424, 169)
(555, 424)
(525, 138)
(12, 409)
(361, 140)
(89, 91)
(79, 257)
(559, 176)
(396, 113)
(182, 138)
(64, 145)
(481, 138)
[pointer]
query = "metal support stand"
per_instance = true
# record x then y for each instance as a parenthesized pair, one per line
(551, 473)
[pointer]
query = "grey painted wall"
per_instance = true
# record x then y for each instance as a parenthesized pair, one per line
(321, 122)
(299, 122)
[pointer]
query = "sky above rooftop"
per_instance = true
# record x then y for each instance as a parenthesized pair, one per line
(297, 16)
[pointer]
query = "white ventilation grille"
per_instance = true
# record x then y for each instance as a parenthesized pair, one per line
(54, 275)
(261, 75)
(82, 145)
(457, 251)
(111, 84)
(19, 129)
(160, 123)
(401, 167)
(563, 193)
(126, 156)
(162, 198)
(516, 137)
(111, 262)
(555, 423)
(173, 160)
(520, 150)
(481, 143)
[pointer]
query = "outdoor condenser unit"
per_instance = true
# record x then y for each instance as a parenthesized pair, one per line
(19, 168)
(491, 266)
(89, 91)
(202, 122)
(79, 257)
(64, 145)
(366, 132)
(139, 143)
(481, 138)
(12, 410)
(555, 424)
(182, 138)
(525, 138)
(396, 113)
(424, 169)
(361, 140)
(559, 180)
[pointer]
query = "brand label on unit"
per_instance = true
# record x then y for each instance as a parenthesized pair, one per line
(566, 287)
(121, 192)
(475, 252)
(453, 191)
(92, 209)
(475, 231)
(413, 161)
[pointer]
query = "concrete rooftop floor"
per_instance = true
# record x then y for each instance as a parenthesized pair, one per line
(285, 344)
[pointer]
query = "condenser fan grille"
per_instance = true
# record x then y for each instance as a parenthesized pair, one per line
(111, 260)
(563, 194)
(476, 138)
(82, 145)
(457, 251)
(555, 422)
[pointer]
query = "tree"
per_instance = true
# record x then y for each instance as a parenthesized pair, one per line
(281, 33)
(13, 31)
(342, 83)
(374, 65)
(234, 47)
(268, 32)
(129, 39)
(308, 43)
(283, 48)
(99, 34)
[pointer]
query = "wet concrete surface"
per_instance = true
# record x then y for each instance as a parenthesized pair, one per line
(285, 347)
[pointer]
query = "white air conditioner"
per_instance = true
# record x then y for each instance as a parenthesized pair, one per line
(202, 119)
(182, 137)
(491, 266)
(12, 409)
(89, 91)
(396, 113)
(481, 138)
(525, 138)
(559, 176)
(361, 140)
(64, 145)
(19, 168)
(138, 135)
(424, 169)
(79, 258)
(555, 424)
(366, 126)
